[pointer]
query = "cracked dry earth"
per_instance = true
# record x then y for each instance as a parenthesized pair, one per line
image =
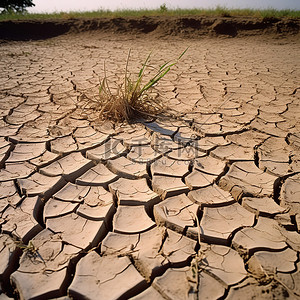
(97, 211)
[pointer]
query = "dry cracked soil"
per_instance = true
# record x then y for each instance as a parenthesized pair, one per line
(203, 204)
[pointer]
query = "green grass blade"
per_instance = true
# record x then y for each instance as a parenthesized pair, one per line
(163, 70)
(183, 53)
(135, 93)
(154, 80)
(144, 65)
(164, 65)
(101, 86)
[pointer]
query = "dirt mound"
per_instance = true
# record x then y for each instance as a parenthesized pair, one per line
(190, 27)
(32, 30)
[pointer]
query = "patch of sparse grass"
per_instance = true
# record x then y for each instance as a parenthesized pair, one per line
(162, 11)
(132, 98)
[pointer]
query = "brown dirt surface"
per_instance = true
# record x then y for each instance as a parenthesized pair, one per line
(202, 204)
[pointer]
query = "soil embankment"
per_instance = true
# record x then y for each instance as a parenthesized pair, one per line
(190, 27)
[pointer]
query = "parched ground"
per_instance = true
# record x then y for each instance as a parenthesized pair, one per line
(204, 204)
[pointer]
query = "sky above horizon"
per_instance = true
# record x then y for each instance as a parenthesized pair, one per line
(89, 5)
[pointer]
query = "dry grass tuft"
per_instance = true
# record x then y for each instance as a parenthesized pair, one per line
(131, 99)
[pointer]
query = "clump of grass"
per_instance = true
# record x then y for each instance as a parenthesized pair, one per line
(132, 98)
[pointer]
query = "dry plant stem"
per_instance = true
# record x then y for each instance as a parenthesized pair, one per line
(126, 69)
(197, 258)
